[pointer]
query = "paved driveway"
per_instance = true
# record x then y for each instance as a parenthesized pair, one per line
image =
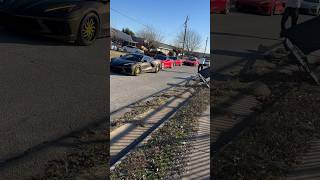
(125, 89)
(48, 89)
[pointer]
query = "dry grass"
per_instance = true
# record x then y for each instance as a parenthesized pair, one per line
(116, 53)
(162, 156)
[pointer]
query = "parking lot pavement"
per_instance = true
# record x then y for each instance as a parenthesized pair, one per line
(48, 89)
(125, 89)
(235, 38)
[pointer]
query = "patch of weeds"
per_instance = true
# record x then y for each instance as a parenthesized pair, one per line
(91, 151)
(142, 108)
(270, 147)
(162, 155)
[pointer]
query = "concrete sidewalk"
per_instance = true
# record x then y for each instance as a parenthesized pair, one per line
(198, 160)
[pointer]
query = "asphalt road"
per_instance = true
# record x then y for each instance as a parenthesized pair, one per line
(48, 89)
(125, 89)
(235, 38)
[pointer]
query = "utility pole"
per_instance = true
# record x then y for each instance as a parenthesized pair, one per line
(185, 33)
(205, 47)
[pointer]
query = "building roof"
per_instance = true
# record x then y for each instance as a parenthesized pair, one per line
(138, 39)
(166, 46)
(117, 34)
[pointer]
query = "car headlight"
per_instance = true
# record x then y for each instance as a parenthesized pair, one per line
(64, 8)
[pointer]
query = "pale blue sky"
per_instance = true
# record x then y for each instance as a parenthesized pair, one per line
(167, 16)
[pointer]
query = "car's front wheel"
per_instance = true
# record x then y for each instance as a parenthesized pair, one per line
(88, 29)
(136, 71)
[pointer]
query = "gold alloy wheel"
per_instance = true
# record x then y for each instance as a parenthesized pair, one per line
(138, 71)
(89, 29)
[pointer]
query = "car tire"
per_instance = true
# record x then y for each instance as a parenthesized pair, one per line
(88, 29)
(317, 12)
(272, 10)
(157, 68)
(227, 10)
(136, 71)
(237, 6)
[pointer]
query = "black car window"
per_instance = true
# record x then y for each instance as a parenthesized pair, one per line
(161, 57)
(133, 57)
(146, 58)
(173, 58)
(192, 59)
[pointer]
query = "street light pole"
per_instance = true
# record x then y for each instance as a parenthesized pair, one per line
(205, 47)
(185, 32)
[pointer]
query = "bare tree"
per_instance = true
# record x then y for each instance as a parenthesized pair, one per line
(151, 35)
(192, 42)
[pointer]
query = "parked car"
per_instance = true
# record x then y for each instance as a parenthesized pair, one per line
(153, 52)
(177, 62)
(114, 46)
(207, 62)
(165, 60)
(134, 64)
(81, 21)
(191, 61)
(131, 49)
(266, 7)
(220, 6)
(310, 7)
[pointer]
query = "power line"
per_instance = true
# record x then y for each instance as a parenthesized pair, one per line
(134, 19)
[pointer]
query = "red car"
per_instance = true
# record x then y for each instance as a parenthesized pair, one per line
(177, 62)
(267, 7)
(191, 61)
(165, 60)
(220, 6)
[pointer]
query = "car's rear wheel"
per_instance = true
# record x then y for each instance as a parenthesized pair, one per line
(238, 7)
(227, 9)
(136, 71)
(272, 10)
(88, 29)
(157, 68)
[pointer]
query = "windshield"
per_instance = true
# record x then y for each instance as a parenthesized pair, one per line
(161, 57)
(173, 58)
(192, 59)
(133, 57)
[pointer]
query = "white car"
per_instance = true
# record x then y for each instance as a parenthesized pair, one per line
(132, 49)
(311, 7)
(114, 46)
(207, 62)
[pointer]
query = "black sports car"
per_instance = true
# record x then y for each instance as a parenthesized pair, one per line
(134, 64)
(80, 21)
